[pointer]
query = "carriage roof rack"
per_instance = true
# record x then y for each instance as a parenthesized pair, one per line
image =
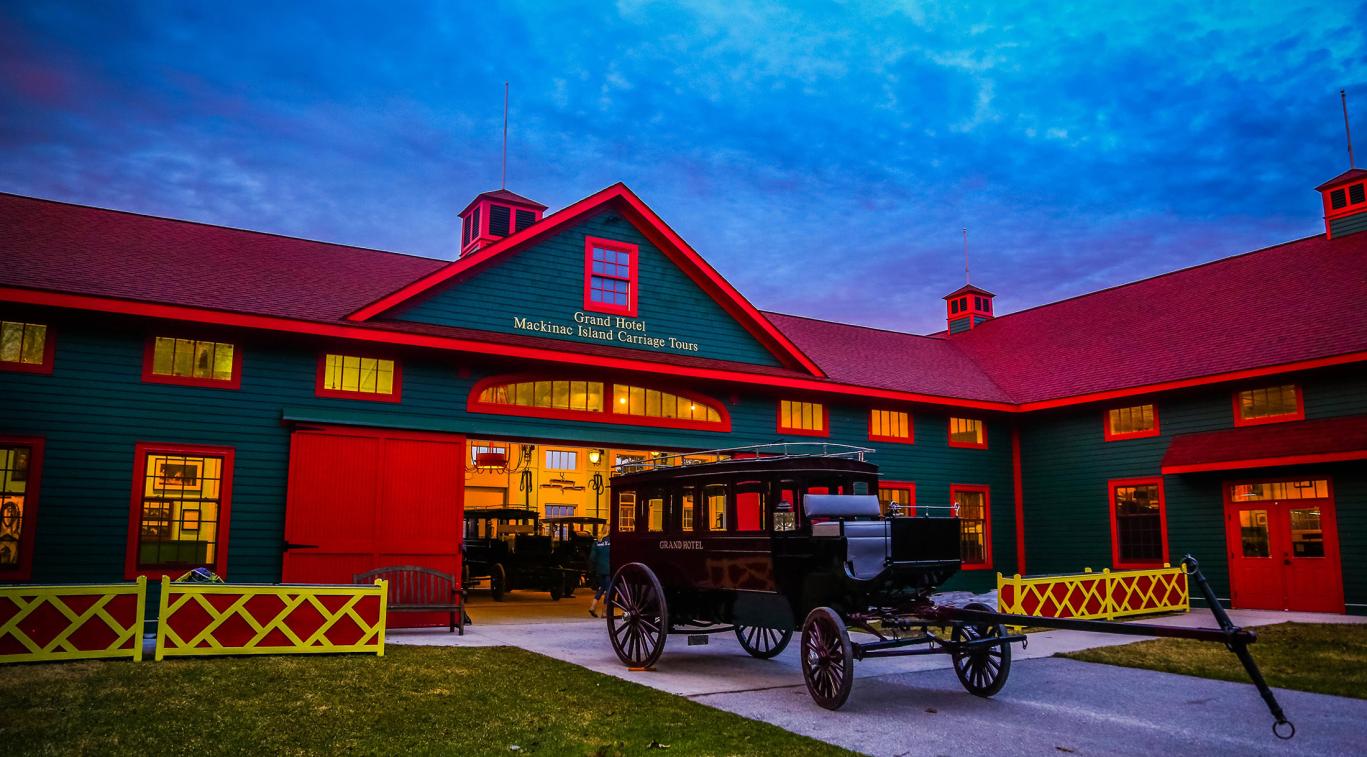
(770, 451)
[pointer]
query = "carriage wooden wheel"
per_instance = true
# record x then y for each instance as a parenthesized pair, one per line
(827, 660)
(763, 643)
(982, 671)
(638, 616)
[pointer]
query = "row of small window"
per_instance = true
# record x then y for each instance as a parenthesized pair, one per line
(745, 507)
(813, 419)
(1266, 404)
(960, 305)
(203, 362)
(178, 517)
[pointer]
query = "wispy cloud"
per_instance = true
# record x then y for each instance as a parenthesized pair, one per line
(823, 157)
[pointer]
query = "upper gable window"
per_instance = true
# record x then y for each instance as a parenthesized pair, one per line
(610, 276)
(805, 418)
(193, 362)
(1131, 422)
(967, 432)
(890, 426)
(1268, 404)
(358, 377)
(25, 347)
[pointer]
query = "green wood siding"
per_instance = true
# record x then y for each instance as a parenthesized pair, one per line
(546, 282)
(1067, 463)
(1341, 227)
(94, 408)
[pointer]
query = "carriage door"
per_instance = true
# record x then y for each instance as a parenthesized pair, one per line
(361, 499)
(1283, 546)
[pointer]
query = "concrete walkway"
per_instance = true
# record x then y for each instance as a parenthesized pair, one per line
(915, 705)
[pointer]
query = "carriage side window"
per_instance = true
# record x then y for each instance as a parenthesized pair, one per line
(626, 511)
(750, 496)
(975, 535)
(716, 508)
(655, 511)
(686, 509)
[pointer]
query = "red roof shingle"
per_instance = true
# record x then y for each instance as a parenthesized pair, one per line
(1292, 302)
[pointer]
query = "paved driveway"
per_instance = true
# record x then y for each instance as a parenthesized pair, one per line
(916, 706)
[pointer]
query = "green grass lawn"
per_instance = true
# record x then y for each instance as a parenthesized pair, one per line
(1320, 657)
(413, 700)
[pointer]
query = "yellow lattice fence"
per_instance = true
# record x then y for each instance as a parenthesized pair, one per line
(1105, 595)
(41, 623)
(232, 619)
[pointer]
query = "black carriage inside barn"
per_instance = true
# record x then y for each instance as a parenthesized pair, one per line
(504, 546)
(774, 539)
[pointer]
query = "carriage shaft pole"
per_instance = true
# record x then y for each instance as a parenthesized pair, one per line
(1097, 626)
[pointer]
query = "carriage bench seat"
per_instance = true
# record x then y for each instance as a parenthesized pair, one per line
(416, 589)
(866, 541)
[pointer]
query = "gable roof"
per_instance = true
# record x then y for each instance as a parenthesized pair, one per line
(1285, 304)
(75, 248)
(623, 200)
(1288, 306)
(866, 356)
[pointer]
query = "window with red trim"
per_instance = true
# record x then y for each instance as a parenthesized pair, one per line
(358, 377)
(1135, 422)
(1139, 534)
(192, 362)
(25, 347)
(897, 498)
(803, 418)
(588, 399)
(1269, 404)
(610, 276)
(180, 506)
(967, 432)
(973, 505)
(21, 461)
(891, 426)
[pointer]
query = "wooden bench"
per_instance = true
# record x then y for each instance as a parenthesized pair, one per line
(417, 589)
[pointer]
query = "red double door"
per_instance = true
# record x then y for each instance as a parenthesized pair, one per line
(361, 499)
(1283, 546)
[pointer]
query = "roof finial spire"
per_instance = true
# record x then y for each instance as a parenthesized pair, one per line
(504, 183)
(966, 281)
(1343, 98)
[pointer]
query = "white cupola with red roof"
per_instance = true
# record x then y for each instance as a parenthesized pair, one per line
(494, 215)
(967, 307)
(1345, 203)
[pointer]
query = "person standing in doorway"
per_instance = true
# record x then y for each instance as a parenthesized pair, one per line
(600, 565)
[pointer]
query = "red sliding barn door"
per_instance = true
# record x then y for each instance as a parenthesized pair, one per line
(363, 499)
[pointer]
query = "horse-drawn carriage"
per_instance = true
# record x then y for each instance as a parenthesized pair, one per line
(505, 547)
(787, 537)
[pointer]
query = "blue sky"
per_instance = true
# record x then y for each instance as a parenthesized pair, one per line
(823, 157)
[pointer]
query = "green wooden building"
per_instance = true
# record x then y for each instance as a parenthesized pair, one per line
(176, 395)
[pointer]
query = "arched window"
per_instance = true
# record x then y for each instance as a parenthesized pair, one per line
(597, 401)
